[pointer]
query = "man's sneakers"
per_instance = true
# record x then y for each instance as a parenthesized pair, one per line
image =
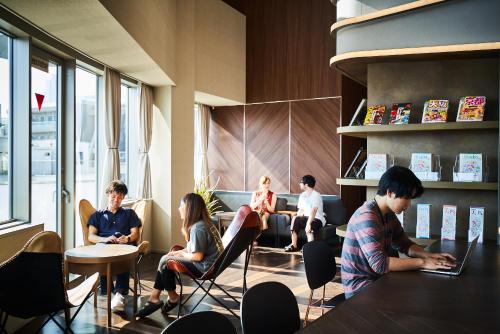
(118, 302)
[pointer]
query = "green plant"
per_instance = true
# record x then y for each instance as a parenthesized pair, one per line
(206, 193)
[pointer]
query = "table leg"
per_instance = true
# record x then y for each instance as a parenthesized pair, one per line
(135, 286)
(66, 274)
(108, 285)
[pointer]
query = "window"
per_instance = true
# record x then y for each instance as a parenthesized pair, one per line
(123, 144)
(44, 145)
(5, 84)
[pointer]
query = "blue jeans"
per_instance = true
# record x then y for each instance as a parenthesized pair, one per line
(121, 284)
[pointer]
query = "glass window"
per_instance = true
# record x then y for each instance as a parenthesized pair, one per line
(123, 144)
(85, 142)
(44, 103)
(5, 196)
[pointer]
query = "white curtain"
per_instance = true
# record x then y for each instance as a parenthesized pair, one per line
(201, 126)
(145, 132)
(112, 109)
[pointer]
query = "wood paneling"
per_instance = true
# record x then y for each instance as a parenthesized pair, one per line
(225, 147)
(288, 49)
(315, 146)
(267, 145)
(352, 93)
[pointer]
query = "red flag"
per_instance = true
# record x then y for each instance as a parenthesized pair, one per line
(39, 100)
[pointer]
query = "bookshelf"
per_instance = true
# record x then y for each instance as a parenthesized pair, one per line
(445, 78)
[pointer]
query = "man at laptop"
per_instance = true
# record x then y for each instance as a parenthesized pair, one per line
(374, 231)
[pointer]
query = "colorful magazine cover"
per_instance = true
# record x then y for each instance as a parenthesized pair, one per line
(476, 223)
(471, 109)
(435, 111)
(400, 113)
(423, 220)
(421, 162)
(448, 230)
(374, 115)
(471, 163)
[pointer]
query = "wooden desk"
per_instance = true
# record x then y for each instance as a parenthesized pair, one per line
(106, 259)
(417, 302)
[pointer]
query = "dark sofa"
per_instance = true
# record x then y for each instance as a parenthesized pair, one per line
(279, 224)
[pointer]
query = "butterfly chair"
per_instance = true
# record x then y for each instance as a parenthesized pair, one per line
(201, 322)
(32, 283)
(269, 307)
(140, 207)
(238, 238)
(319, 262)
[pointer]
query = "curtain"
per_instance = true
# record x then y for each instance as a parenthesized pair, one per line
(145, 133)
(112, 109)
(201, 123)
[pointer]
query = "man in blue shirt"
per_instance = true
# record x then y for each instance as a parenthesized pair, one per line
(115, 225)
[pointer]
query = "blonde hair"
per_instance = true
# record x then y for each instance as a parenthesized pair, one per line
(264, 179)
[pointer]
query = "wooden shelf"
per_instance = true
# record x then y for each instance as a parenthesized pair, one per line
(364, 131)
(493, 186)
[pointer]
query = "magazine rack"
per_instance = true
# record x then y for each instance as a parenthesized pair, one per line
(471, 171)
(434, 174)
(376, 173)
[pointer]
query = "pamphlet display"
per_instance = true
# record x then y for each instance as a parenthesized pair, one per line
(423, 220)
(448, 230)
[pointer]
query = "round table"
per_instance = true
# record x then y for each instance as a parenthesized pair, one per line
(108, 260)
(341, 230)
(224, 219)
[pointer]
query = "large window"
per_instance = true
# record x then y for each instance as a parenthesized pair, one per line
(128, 145)
(5, 196)
(123, 144)
(44, 143)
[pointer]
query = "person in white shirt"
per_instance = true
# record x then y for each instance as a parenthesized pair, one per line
(310, 216)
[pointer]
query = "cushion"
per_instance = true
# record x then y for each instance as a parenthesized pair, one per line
(280, 204)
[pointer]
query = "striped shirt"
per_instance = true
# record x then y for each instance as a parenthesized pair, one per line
(367, 245)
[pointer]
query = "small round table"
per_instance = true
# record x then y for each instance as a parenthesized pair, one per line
(224, 219)
(107, 259)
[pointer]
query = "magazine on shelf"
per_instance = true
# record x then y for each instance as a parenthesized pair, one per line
(374, 115)
(356, 164)
(359, 114)
(423, 220)
(471, 164)
(448, 230)
(400, 113)
(476, 223)
(435, 111)
(471, 109)
(421, 162)
(376, 165)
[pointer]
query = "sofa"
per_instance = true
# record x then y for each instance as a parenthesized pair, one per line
(279, 224)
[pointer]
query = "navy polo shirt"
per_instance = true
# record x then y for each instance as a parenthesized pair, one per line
(108, 223)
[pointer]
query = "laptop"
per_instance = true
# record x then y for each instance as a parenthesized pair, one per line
(457, 270)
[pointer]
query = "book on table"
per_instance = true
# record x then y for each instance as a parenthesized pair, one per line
(423, 221)
(476, 223)
(400, 113)
(435, 111)
(471, 109)
(374, 115)
(448, 229)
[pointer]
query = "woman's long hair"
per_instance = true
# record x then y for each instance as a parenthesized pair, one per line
(196, 210)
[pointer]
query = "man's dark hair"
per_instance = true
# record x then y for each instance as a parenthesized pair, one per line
(117, 186)
(309, 180)
(401, 181)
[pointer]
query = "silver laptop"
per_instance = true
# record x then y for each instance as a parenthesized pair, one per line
(457, 270)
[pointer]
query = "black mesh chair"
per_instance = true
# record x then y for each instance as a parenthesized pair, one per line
(32, 283)
(238, 238)
(201, 322)
(321, 268)
(269, 308)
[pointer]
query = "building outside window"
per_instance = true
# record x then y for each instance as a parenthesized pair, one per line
(5, 107)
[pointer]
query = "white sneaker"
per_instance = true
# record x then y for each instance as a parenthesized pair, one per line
(118, 302)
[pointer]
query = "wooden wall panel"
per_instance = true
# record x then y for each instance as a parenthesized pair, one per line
(267, 145)
(288, 49)
(225, 147)
(315, 146)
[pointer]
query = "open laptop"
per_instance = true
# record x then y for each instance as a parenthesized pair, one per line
(457, 270)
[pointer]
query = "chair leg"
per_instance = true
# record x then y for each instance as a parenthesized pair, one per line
(207, 292)
(3, 322)
(323, 300)
(308, 307)
(178, 277)
(247, 260)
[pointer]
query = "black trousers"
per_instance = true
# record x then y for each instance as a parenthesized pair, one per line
(165, 278)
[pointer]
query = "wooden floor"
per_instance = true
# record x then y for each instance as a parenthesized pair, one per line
(266, 264)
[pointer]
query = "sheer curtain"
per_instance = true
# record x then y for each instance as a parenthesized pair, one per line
(145, 132)
(201, 126)
(112, 98)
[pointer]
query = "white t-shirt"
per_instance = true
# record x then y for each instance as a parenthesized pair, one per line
(313, 200)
